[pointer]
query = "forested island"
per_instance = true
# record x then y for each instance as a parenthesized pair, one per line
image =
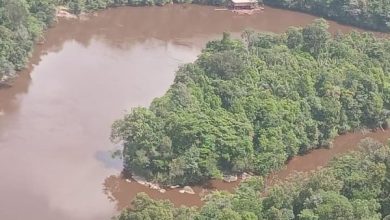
(355, 186)
(249, 106)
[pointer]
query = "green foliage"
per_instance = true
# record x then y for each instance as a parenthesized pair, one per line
(325, 195)
(372, 14)
(148, 209)
(251, 106)
(22, 22)
(79, 6)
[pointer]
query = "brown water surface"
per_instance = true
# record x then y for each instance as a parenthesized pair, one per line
(55, 121)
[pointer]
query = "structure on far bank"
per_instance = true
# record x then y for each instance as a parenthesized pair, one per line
(242, 4)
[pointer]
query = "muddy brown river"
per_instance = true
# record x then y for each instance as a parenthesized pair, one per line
(55, 121)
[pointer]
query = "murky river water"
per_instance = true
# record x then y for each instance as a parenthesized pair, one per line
(55, 121)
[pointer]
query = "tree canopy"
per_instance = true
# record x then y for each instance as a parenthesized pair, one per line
(251, 104)
(354, 186)
(370, 14)
(22, 22)
(78, 6)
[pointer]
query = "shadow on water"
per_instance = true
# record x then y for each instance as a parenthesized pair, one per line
(109, 161)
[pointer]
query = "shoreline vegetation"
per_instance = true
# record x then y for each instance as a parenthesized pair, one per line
(23, 22)
(370, 15)
(355, 186)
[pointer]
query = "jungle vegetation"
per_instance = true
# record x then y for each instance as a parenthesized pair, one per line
(78, 6)
(251, 104)
(369, 14)
(355, 186)
(22, 23)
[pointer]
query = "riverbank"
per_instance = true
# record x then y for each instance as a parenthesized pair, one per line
(368, 16)
(123, 192)
(351, 183)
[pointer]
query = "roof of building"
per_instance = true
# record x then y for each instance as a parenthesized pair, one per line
(244, 1)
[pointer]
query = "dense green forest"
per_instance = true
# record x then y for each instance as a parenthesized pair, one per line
(355, 186)
(251, 105)
(371, 14)
(22, 22)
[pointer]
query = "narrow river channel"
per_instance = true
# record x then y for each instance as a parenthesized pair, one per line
(55, 121)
